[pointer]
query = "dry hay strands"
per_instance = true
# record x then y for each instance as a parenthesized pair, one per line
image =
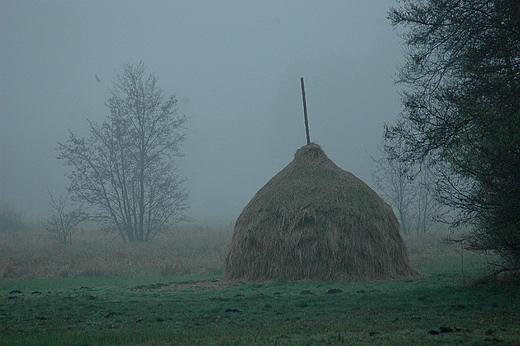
(315, 221)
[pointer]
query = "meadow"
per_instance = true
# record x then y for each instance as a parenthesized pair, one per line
(99, 291)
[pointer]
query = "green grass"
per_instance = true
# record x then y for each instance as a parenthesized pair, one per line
(172, 310)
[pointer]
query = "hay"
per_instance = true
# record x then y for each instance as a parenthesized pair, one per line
(315, 221)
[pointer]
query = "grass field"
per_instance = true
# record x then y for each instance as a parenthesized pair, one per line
(127, 295)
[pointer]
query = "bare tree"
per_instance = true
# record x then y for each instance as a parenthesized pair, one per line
(408, 188)
(394, 181)
(126, 168)
(429, 212)
(63, 221)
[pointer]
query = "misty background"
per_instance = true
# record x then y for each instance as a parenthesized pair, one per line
(235, 69)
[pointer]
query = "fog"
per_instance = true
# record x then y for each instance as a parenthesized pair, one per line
(234, 66)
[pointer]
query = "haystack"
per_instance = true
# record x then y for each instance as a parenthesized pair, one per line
(315, 221)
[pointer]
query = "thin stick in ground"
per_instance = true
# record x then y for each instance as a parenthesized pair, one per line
(305, 113)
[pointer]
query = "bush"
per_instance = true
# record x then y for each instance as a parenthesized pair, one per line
(12, 220)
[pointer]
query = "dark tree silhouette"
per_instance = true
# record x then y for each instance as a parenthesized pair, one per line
(462, 111)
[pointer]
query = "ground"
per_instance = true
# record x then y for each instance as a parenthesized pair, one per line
(448, 305)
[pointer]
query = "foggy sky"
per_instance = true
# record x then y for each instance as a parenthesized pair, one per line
(234, 66)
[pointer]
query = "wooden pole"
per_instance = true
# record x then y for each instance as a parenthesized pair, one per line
(305, 113)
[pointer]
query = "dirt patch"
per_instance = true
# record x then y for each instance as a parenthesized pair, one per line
(197, 286)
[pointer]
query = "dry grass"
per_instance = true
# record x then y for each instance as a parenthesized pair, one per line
(314, 220)
(187, 251)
